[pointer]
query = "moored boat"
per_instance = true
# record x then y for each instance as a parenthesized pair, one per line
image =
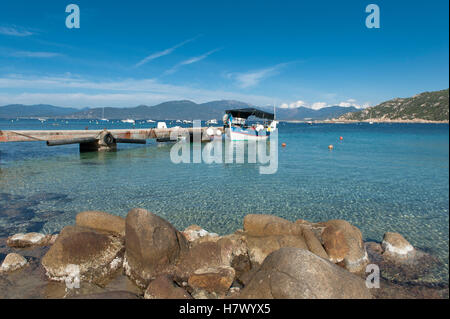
(237, 128)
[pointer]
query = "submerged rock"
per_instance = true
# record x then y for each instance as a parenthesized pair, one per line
(153, 246)
(396, 245)
(102, 221)
(13, 262)
(163, 287)
(402, 270)
(83, 253)
(29, 240)
(293, 273)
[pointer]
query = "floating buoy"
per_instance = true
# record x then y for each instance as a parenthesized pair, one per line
(341, 138)
(330, 147)
(283, 144)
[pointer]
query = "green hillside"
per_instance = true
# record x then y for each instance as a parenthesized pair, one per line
(431, 106)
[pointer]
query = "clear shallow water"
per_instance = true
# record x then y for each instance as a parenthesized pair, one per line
(381, 177)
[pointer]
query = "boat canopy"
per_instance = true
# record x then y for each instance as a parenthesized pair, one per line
(247, 112)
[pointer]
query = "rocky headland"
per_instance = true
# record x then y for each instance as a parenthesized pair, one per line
(144, 256)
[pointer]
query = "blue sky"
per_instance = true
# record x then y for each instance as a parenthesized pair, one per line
(291, 53)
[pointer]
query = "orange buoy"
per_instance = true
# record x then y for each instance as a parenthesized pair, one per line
(330, 147)
(341, 138)
(283, 144)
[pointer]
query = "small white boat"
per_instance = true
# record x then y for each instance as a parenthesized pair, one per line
(130, 121)
(213, 121)
(187, 122)
(238, 130)
(150, 121)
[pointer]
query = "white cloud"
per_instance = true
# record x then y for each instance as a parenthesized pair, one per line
(252, 78)
(190, 61)
(80, 92)
(163, 53)
(293, 105)
(320, 105)
(15, 31)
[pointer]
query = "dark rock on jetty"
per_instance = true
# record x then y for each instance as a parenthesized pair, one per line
(143, 255)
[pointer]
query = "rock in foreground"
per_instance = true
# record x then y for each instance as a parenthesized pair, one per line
(292, 273)
(396, 245)
(13, 262)
(30, 240)
(102, 221)
(153, 246)
(163, 287)
(94, 255)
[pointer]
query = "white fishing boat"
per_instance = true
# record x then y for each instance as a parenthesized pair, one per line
(237, 129)
(150, 121)
(187, 122)
(130, 121)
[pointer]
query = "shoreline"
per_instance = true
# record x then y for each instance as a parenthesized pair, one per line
(418, 121)
(204, 265)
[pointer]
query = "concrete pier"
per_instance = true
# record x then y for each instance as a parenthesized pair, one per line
(105, 140)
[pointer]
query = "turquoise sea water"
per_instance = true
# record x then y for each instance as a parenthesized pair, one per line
(380, 177)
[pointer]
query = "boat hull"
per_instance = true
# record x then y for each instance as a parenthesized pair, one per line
(238, 134)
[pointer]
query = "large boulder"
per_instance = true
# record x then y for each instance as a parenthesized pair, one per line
(293, 273)
(230, 250)
(335, 244)
(260, 247)
(313, 243)
(153, 246)
(212, 279)
(269, 225)
(396, 245)
(12, 262)
(163, 287)
(204, 254)
(343, 234)
(83, 252)
(102, 221)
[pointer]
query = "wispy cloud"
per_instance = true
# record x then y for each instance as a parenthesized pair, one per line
(253, 78)
(15, 31)
(76, 91)
(34, 54)
(190, 61)
(165, 52)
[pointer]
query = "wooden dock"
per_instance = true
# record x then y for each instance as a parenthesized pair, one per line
(98, 140)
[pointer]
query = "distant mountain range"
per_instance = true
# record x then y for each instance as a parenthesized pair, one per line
(39, 110)
(428, 106)
(172, 110)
